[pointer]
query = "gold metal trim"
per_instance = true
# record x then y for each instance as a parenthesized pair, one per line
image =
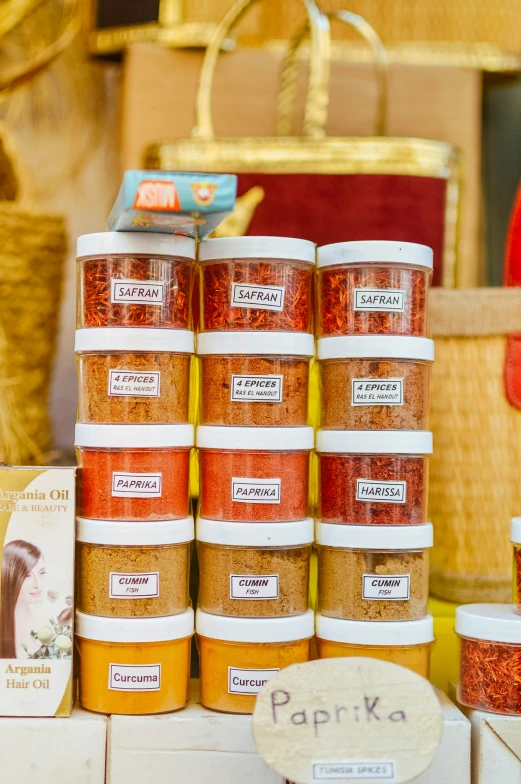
(183, 36)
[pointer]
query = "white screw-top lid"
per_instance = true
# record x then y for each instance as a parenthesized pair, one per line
(375, 347)
(140, 534)
(375, 537)
(255, 534)
(134, 339)
(221, 627)
(279, 344)
(377, 633)
(494, 622)
(286, 248)
(515, 530)
(138, 630)
(129, 243)
(367, 251)
(375, 442)
(254, 439)
(133, 436)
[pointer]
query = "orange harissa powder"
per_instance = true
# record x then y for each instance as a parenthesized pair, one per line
(239, 655)
(134, 666)
(407, 643)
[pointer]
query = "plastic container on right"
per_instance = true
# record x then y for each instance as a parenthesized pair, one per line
(490, 657)
(373, 287)
(515, 538)
(407, 643)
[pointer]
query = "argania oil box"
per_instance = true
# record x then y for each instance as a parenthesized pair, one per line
(36, 591)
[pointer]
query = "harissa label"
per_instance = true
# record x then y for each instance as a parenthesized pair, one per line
(256, 491)
(254, 586)
(258, 297)
(388, 587)
(377, 392)
(134, 677)
(248, 681)
(380, 300)
(137, 585)
(380, 492)
(254, 389)
(136, 485)
(126, 383)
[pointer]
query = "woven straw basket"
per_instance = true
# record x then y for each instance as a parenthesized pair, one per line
(32, 253)
(475, 479)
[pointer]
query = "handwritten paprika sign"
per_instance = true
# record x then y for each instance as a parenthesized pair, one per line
(347, 720)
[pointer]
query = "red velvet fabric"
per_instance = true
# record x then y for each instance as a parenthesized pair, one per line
(512, 277)
(334, 208)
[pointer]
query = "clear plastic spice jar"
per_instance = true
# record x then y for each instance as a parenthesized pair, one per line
(138, 570)
(407, 643)
(373, 477)
(375, 383)
(490, 658)
(134, 279)
(238, 656)
(254, 474)
(134, 376)
(134, 666)
(373, 574)
(515, 538)
(254, 378)
(257, 283)
(254, 570)
(134, 472)
(373, 287)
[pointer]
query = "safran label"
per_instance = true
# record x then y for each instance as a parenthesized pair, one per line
(377, 392)
(381, 492)
(126, 383)
(134, 677)
(380, 300)
(256, 491)
(257, 389)
(254, 586)
(248, 681)
(388, 587)
(134, 585)
(353, 771)
(136, 485)
(136, 292)
(258, 297)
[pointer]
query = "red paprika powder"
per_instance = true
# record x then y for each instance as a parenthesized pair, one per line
(254, 474)
(373, 477)
(134, 472)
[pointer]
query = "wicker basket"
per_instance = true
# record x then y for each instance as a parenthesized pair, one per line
(475, 483)
(32, 254)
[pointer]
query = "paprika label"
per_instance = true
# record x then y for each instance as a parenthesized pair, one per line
(258, 297)
(130, 485)
(256, 491)
(381, 492)
(377, 392)
(252, 389)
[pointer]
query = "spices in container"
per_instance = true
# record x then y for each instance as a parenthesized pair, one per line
(139, 570)
(134, 472)
(135, 279)
(373, 288)
(373, 477)
(254, 570)
(515, 538)
(257, 283)
(134, 376)
(375, 383)
(373, 574)
(407, 643)
(134, 666)
(254, 474)
(239, 655)
(490, 663)
(254, 378)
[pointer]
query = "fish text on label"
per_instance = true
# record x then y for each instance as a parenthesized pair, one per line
(376, 392)
(258, 297)
(125, 383)
(389, 587)
(252, 586)
(381, 492)
(241, 681)
(256, 491)
(134, 677)
(380, 300)
(136, 485)
(135, 585)
(353, 771)
(136, 292)
(255, 389)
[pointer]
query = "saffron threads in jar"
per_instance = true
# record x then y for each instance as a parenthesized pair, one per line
(373, 288)
(132, 279)
(257, 283)
(490, 663)
(373, 477)
(515, 538)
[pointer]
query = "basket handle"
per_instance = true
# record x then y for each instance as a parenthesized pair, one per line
(317, 99)
(288, 92)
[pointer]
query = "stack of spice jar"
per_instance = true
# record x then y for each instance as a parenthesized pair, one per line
(254, 537)
(373, 538)
(134, 345)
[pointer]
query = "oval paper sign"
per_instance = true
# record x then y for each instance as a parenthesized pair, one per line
(347, 720)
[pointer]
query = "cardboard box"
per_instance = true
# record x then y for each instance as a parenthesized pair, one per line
(37, 508)
(54, 751)
(199, 746)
